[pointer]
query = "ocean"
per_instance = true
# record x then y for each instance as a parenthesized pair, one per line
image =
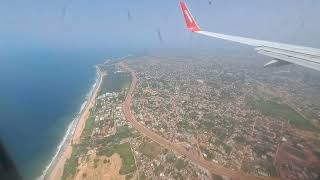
(41, 93)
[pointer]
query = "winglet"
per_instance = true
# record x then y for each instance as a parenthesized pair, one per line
(191, 23)
(276, 62)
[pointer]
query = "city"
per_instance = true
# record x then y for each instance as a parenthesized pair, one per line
(185, 118)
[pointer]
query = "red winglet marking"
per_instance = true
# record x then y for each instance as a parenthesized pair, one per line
(191, 23)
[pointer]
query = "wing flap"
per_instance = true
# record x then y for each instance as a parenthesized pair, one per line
(276, 62)
(291, 59)
(306, 57)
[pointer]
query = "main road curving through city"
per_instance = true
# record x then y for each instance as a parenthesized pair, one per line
(195, 158)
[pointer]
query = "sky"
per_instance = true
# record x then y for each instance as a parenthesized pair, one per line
(136, 24)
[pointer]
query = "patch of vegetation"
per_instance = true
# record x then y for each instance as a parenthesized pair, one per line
(87, 131)
(296, 152)
(260, 149)
(150, 149)
(128, 163)
(124, 150)
(218, 142)
(180, 164)
(184, 124)
(142, 176)
(123, 132)
(216, 177)
(71, 165)
(158, 169)
(282, 111)
(240, 139)
(227, 148)
(210, 116)
(208, 125)
(95, 163)
(272, 170)
(177, 175)
(105, 151)
(221, 134)
(170, 158)
(129, 176)
(109, 144)
(208, 121)
(247, 167)
(155, 85)
(106, 161)
(84, 175)
(210, 155)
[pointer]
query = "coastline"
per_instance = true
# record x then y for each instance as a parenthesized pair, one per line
(54, 169)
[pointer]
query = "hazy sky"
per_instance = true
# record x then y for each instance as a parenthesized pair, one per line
(134, 23)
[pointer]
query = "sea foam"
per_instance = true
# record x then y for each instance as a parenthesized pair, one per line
(69, 133)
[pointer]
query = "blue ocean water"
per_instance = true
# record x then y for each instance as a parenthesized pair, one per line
(40, 94)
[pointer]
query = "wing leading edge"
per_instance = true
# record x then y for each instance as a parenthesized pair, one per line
(282, 53)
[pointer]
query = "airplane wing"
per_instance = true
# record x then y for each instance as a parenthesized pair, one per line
(281, 53)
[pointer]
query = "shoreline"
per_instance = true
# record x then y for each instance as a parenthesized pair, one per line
(54, 169)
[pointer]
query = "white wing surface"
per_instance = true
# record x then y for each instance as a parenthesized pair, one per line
(280, 52)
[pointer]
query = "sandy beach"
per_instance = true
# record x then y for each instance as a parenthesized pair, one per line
(57, 170)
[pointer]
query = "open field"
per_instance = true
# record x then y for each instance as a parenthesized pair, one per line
(296, 152)
(150, 149)
(124, 150)
(283, 111)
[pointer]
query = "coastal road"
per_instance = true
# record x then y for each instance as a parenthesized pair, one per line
(210, 166)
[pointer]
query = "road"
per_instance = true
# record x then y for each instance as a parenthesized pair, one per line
(210, 166)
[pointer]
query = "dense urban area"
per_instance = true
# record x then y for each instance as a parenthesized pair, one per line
(200, 117)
